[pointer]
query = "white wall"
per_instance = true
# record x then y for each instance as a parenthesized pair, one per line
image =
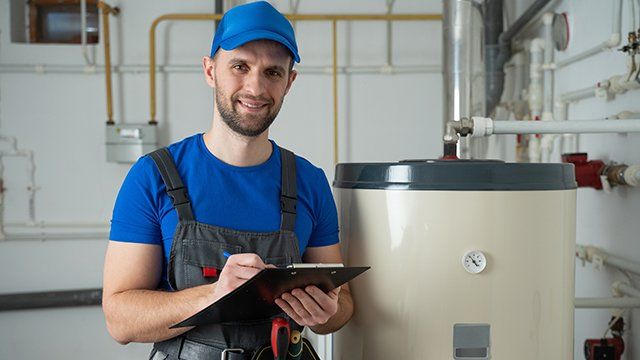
(61, 118)
(383, 118)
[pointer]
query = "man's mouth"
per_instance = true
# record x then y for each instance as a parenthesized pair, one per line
(252, 105)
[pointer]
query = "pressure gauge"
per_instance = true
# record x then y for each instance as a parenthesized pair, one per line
(474, 261)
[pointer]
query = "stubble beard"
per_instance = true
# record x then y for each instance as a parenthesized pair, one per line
(246, 125)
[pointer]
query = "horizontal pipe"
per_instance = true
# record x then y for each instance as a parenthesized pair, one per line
(597, 255)
(577, 95)
(143, 69)
(57, 236)
(65, 225)
(626, 289)
(565, 127)
(607, 303)
(50, 299)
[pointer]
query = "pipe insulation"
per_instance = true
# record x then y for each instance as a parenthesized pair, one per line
(601, 257)
(626, 289)
(487, 127)
(50, 299)
(607, 303)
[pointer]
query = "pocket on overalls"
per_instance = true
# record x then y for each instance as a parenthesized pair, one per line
(204, 259)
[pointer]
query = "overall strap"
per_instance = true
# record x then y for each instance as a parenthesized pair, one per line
(175, 188)
(288, 192)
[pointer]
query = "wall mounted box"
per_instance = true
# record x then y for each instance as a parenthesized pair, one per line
(128, 142)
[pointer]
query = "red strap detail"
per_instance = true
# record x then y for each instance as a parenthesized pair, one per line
(209, 272)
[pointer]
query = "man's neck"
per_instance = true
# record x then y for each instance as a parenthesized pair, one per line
(235, 149)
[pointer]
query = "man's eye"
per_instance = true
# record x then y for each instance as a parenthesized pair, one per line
(274, 73)
(238, 67)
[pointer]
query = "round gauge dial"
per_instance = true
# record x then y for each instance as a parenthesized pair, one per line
(474, 261)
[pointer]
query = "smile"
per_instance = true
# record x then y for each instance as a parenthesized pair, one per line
(252, 105)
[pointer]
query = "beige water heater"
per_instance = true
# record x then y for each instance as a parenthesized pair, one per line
(469, 260)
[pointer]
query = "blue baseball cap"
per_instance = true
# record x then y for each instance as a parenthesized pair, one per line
(254, 21)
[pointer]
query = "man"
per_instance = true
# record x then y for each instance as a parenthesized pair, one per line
(183, 210)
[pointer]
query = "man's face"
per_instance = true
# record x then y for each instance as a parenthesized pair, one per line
(251, 82)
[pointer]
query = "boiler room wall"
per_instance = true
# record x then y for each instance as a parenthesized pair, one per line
(383, 117)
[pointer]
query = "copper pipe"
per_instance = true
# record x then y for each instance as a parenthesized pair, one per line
(334, 71)
(106, 11)
(334, 18)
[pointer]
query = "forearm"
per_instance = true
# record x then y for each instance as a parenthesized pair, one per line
(146, 315)
(340, 318)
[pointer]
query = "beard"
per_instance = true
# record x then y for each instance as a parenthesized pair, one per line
(249, 125)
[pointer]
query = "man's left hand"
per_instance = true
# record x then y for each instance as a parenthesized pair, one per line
(309, 306)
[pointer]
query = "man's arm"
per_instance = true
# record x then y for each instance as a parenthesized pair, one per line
(136, 312)
(323, 312)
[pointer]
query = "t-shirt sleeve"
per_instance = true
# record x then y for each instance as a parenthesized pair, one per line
(135, 214)
(325, 232)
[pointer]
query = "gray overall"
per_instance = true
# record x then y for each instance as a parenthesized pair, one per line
(198, 246)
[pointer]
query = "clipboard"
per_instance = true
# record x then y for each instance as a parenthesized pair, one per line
(254, 300)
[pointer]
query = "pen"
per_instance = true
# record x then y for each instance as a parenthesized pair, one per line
(226, 254)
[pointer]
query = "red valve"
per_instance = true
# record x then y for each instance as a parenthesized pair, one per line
(587, 172)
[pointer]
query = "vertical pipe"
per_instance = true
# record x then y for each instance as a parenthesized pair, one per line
(106, 10)
(493, 27)
(457, 63)
(334, 45)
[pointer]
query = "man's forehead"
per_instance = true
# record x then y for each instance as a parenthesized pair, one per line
(260, 49)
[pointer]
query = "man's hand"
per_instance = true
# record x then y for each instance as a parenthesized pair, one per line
(309, 306)
(238, 269)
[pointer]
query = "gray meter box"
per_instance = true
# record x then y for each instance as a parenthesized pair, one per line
(128, 142)
(471, 341)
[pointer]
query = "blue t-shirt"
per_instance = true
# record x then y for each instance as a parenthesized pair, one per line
(240, 198)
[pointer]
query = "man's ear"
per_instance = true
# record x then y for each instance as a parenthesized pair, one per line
(208, 66)
(292, 76)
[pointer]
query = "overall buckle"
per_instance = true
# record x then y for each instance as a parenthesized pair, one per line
(226, 352)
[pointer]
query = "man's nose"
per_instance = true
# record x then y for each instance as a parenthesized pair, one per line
(255, 84)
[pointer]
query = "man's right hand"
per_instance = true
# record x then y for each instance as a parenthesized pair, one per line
(238, 269)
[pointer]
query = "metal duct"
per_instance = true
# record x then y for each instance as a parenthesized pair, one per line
(463, 65)
(50, 299)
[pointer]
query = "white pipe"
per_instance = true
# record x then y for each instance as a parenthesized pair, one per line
(600, 257)
(548, 141)
(625, 289)
(83, 33)
(611, 43)
(606, 303)
(57, 236)
(142, 69)
(536, 51)
(632, 175)
(486, 127)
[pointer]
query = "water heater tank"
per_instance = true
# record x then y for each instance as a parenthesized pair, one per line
(470, 260)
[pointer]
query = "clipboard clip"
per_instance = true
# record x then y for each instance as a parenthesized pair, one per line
(313, 265)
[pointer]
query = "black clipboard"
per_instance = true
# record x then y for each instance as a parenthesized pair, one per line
(254, 300)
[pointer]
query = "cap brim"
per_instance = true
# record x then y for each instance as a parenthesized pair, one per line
(241, 39)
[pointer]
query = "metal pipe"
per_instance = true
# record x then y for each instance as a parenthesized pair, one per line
(106, 11)
(611, 43)
(606, 303)
(457, 64)
(493, 27)
(57, 236)
(50, 299)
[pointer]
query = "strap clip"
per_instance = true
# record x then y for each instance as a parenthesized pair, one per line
(288, 204)
(179, 195)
